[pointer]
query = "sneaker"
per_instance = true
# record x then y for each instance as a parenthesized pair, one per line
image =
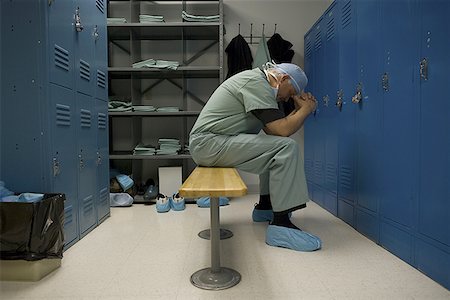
(206, 201)
(162, 204)
(177, 202)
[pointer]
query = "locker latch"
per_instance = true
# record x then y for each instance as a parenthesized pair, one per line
(78, 25)
(80, 157)
(385, 81)
(95, 33)
(424, 69)
(55, 167)
(358, 96)
(99, 159)
(326, 99)
(339, 102)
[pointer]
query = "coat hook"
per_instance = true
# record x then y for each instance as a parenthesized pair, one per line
(263, 29)
(275, 29)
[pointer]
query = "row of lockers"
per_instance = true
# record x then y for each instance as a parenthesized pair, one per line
(377, 150)
(54, 110)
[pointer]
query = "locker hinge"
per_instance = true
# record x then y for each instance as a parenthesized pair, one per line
(424, 69)
(56, 169)
(385, 81)
(78, 25)
(358, 96)
(340, 97)
(326, 100)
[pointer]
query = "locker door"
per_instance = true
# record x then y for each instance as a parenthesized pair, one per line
(346, 121)
(329, 112)
(101, 49)
(400, 115)
(64, 163)
(434, 192)
(102, 160)
(84, 43)
(368, 118)
(61, 32)
(319, 144)
(309, 123)
(87, 170)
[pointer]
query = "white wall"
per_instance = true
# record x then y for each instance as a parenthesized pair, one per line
(293, 18)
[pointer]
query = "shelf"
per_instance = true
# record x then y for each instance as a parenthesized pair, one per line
(165, 31)
(126, 155)
(152, 73)
(152, 114)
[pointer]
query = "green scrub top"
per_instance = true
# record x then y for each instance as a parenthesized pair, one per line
(228, 110)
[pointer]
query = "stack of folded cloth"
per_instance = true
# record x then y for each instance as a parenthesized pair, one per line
(192, 18)
(157, 63)
(119, 106)
(168, 146)
(150, 18)
(141, 149)
(116, 20)
(168, 109)
(146, 108)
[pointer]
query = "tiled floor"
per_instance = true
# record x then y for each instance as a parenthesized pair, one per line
(140, 254)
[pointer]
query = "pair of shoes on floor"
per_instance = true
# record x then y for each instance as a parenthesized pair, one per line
(206, 201)
(295, 239)
(164, 204)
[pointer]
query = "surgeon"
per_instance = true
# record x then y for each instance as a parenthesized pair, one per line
(227, 134)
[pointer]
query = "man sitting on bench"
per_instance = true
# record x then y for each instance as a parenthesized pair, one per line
(226, 134)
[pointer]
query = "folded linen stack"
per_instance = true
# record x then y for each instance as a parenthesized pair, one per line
(150, 18)
(168, 146)
(141, 149)
(116, 20)
(119, 106)
(168, 109)
(157, 63)
(193, 18)
(144, 108)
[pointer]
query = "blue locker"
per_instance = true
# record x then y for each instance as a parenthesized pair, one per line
(346, 128)
(101, 50)
(368, 118)
(329, 111)
(85, 71)
(102, 161)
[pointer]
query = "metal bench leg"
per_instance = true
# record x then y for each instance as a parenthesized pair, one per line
(215, 277)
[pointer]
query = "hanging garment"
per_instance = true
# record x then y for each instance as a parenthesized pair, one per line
(262, 53)
(280, 49)
(239, 56)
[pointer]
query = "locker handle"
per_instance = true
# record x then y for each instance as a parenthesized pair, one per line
(339, 102)
(385, 81)
(56, 169)
(95, 33)
(99, 159)
(80, 157)
(78, 25)
(358, 96)
(326, 100)
(424, 69)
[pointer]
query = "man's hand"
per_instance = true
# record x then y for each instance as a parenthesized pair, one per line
(305, 101)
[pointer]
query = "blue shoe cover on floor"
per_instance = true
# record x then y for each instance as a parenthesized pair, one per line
(177, 203)
(290, 238)
(162, 203)
(206, 201)
(263, 215)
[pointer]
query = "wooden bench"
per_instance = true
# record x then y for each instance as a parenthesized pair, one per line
(214, 183)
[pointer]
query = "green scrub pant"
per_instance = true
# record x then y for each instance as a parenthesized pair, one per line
(276, 159)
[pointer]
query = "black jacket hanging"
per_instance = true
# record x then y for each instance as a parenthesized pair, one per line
(239, 56)
(280, 49)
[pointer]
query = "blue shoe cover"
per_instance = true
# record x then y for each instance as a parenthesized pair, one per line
(162, 203)
(292, 239)
(264, 215)
(206, 201)
(177, 203)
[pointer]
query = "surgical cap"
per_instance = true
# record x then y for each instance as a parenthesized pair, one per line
(298, 77)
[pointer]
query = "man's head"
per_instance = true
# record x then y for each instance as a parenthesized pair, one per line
(290, 78)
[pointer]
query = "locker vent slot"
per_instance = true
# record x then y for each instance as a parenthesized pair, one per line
(330, 29)
(308, 48)
(104, 196)
(85, 118)
(318, 40)
(62, 115)
(68, 216)
(88, 204)
(100, 5)
(318, 170)
(309, 166)
(330, 173)
(62, 58)
(85, 70)
(345, 177)
(101, 79)
(101, 121)
(346, 14)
